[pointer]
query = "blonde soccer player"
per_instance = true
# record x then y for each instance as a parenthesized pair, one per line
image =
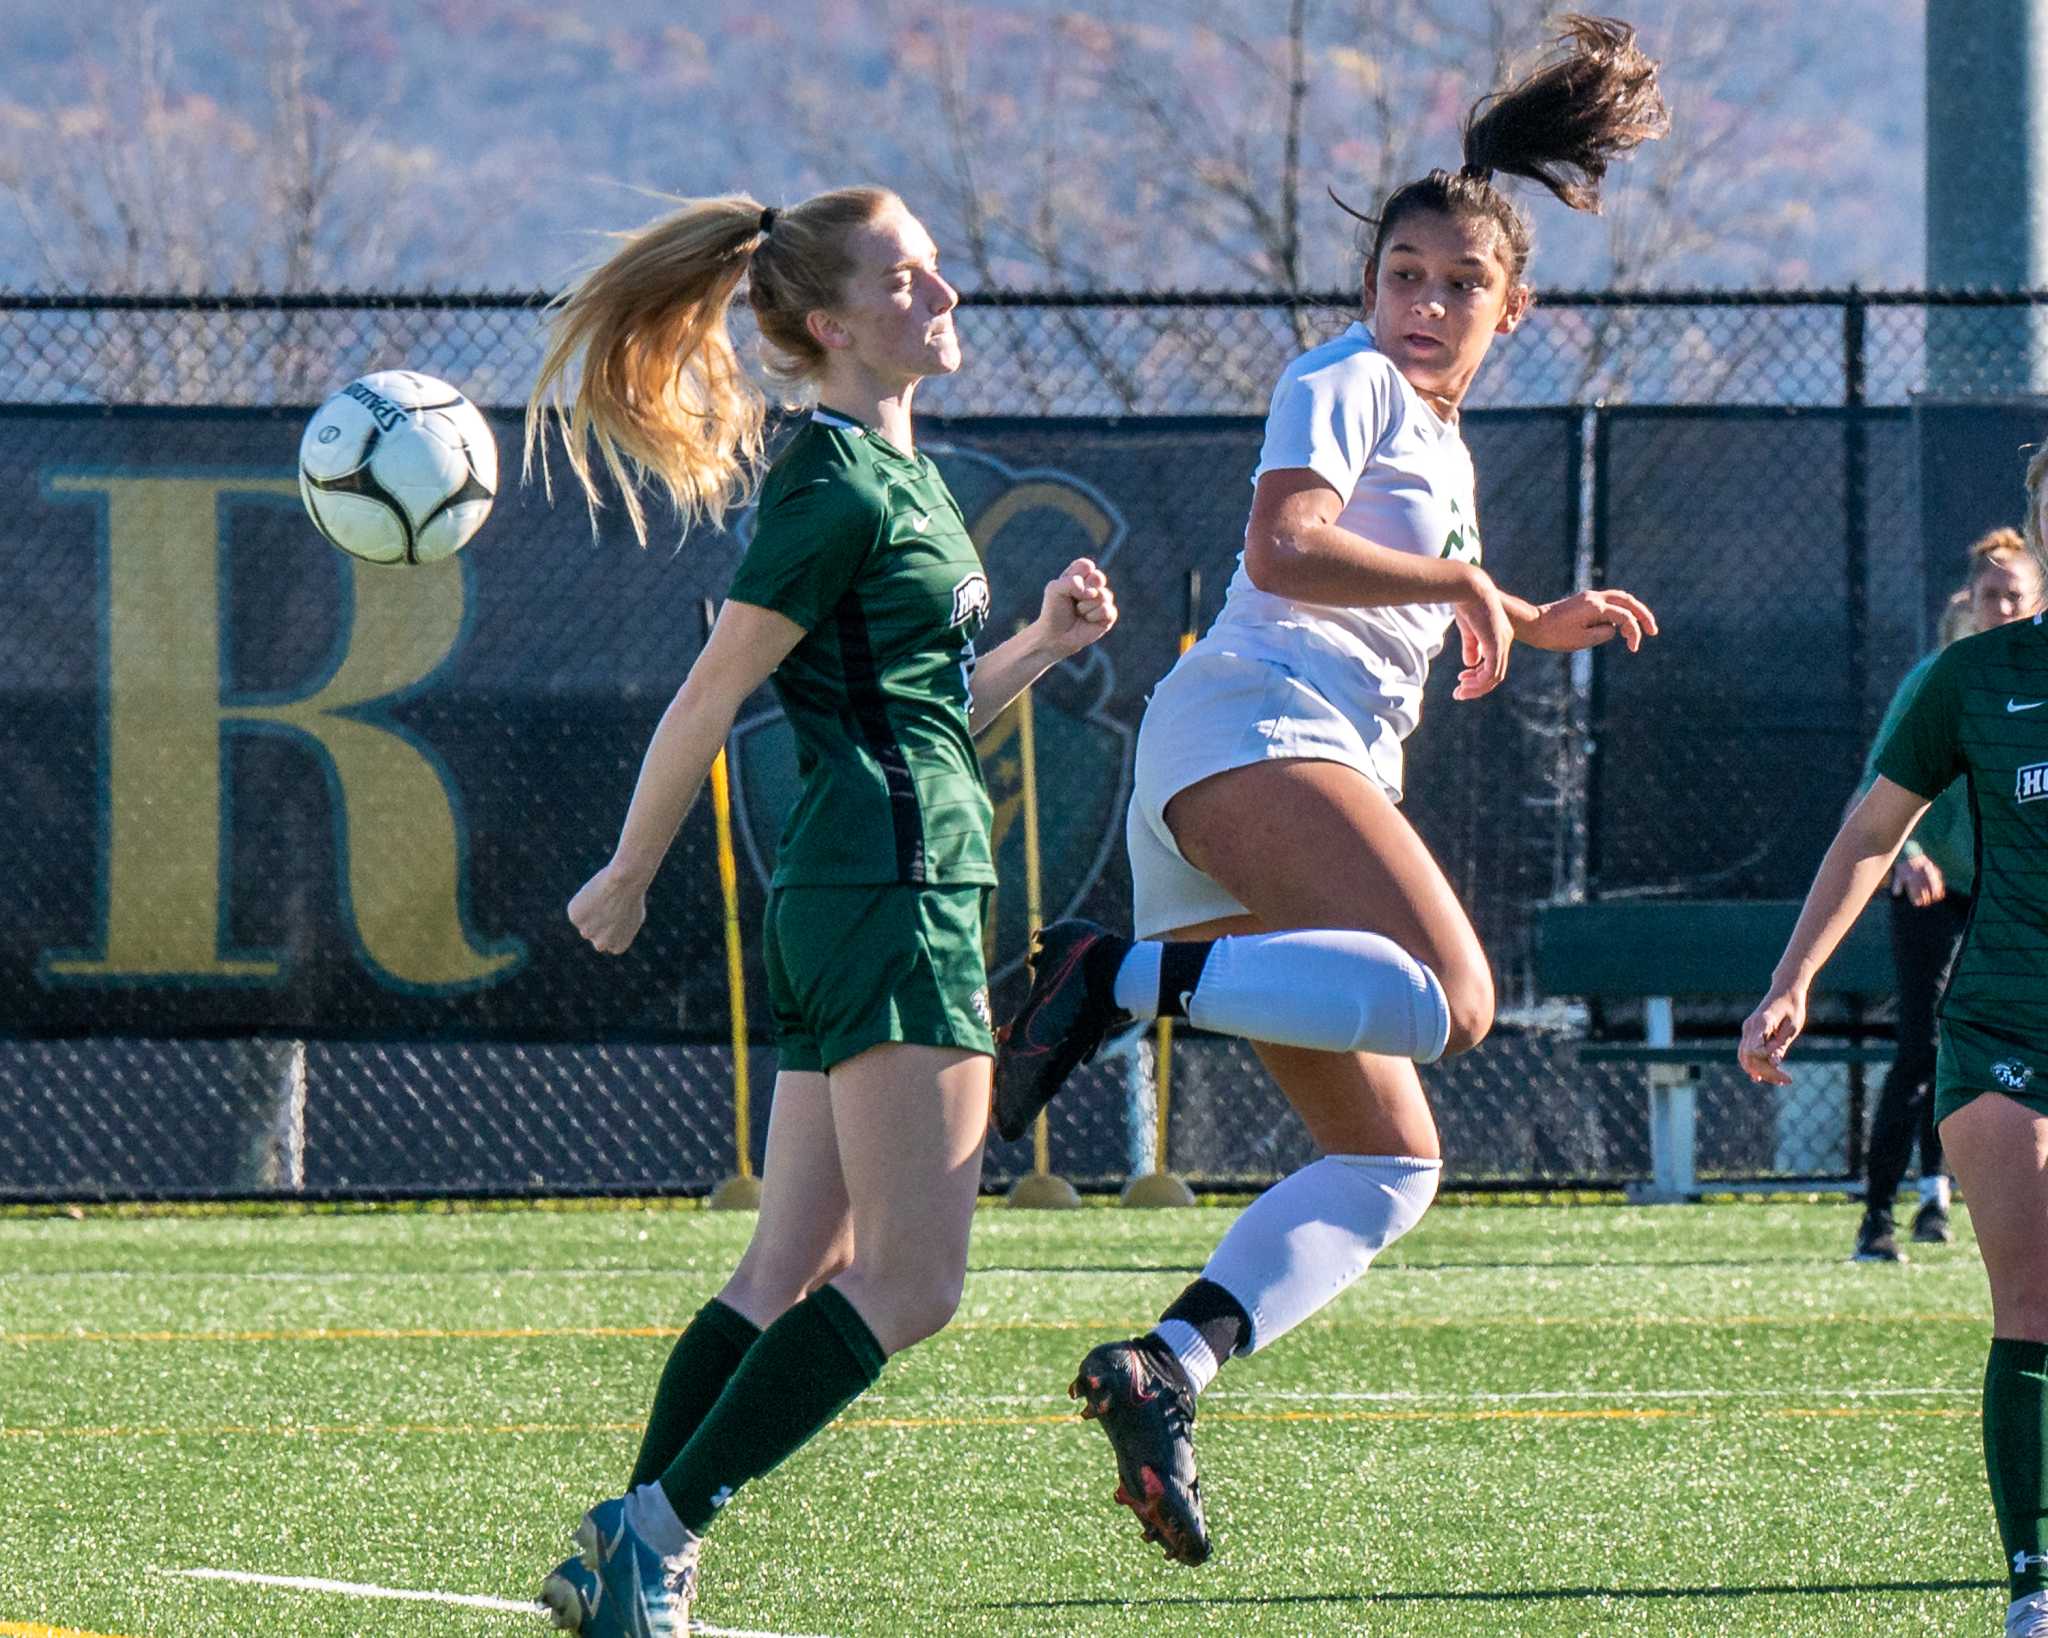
(1931, 886)
(1279, 893)
(1979, 718)
(859, 598)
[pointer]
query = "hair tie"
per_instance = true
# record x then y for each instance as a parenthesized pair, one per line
(768, 215)
(1480, 173)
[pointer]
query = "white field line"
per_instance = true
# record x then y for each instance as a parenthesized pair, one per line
(1256, 1397)
(357, 1589)
(1409, 1396)
(470, 1601)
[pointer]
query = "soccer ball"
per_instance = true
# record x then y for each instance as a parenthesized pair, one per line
(398, 468)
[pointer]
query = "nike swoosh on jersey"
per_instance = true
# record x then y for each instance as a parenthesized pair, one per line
(2014, 705)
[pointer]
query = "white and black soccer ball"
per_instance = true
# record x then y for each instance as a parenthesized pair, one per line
(398, 468)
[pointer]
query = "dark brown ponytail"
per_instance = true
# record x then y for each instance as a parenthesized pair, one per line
(1592, 98)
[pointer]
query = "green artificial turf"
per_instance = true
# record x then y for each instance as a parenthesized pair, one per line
(1525, 1420)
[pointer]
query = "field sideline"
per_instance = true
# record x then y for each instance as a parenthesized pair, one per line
(1526, 1420)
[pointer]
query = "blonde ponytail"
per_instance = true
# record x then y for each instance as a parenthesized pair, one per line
(662, 393)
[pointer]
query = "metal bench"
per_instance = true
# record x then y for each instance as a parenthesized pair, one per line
(1658, 952)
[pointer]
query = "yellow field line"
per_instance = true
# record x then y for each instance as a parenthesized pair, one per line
(36, 1629)
(522, 1333)
(325, 1333)
(316, 1430)
(1599, 1413)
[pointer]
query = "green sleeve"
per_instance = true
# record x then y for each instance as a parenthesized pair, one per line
(810, 543)
(1902, 696)
(1923, 751)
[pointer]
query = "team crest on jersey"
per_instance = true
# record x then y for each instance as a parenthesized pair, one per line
(2033, 783)
(2011, 1074)
(1462, 543)
(970, 600)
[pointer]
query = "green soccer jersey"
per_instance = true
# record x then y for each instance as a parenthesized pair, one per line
(862, 546)
(1982, 715)
(1943, 834)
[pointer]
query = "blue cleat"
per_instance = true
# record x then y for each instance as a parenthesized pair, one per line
(570, 1595)
(640, 1594)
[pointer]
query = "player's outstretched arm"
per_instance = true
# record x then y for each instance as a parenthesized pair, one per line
(747, 643)
(1857, 861)
(1584, 620)
(1077, 609)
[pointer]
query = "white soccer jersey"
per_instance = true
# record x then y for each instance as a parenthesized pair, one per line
(1344, 411)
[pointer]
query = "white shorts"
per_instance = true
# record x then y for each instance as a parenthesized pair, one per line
(1215, 711)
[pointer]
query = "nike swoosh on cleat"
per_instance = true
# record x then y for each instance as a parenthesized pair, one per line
(2014, 705)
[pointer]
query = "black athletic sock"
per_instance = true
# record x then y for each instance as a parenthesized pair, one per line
(1214, 1312)
(1180, 970)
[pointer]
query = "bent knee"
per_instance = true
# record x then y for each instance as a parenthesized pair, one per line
(1469, 999)
(828, 1271)
(905, 1306)
(928, 1308)
(770, 1279)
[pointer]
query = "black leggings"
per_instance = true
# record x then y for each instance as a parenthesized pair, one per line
(1925, 939)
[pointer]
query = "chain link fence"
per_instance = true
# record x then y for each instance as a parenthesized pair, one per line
(216, 980)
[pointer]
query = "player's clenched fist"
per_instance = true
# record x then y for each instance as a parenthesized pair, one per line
(608, 911)
(1078, 607)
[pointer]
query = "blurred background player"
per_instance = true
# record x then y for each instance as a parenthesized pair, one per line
(1930, 906)
(1980, 716)
(859, 596)
(1270, 761)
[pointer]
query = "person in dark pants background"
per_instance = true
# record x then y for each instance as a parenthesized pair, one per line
(1931, 890)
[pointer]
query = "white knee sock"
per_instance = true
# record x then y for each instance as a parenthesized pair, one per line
(1332, 989)
(1306, 1239)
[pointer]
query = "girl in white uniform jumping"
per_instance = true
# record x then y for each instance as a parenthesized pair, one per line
(1280, 895)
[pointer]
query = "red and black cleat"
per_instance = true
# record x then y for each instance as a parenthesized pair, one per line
(1148, 1410)
(1068, 1010)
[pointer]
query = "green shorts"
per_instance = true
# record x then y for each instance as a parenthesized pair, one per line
(852, 967)
(1970, 1060)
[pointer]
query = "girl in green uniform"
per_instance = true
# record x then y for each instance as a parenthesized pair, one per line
(859, 597)
(1931, 886)
(1980, 715)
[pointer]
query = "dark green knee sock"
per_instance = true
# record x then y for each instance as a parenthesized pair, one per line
(699, 1366)
(807, 1367)
(2015, 1440)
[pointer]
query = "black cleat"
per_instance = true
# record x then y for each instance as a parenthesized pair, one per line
(1071, 1006)
(1875, 1240)
(1930, 1225)
(1148, 1410)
